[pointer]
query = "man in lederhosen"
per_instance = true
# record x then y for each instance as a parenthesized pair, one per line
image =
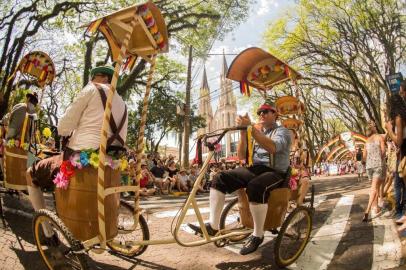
(269, 171)
(82, 121)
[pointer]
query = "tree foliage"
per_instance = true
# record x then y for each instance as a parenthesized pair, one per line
(344, 48)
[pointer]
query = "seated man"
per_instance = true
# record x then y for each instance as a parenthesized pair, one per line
(158, 171)
(83, 120)
(182, 181)
(269, 169)
(18, 113)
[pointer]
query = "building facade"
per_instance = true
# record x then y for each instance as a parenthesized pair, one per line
(224, 115)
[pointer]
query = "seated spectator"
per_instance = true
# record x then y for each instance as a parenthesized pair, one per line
(194, 173)
(182, 181)
(146, 181)
(158, 171)
(172, 175)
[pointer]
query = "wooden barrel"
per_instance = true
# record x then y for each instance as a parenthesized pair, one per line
(277, 205)
(77, 206)
(15, 168)
(294, 194)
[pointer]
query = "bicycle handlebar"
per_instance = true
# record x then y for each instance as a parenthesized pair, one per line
(218, 135)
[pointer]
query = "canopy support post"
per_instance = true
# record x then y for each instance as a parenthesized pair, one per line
(103, 137)
(140, 141)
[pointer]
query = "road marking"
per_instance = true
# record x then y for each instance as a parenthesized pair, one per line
(387, 247)
(172, 213)
(320, 250)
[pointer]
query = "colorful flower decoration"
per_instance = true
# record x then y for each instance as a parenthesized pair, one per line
(82, 159)
(10, 143)
(61, 181)
(94, 159)
(152, 26)
(75, 161)
(67, 169)
(123, 165)
(25, 146)
(46, 132)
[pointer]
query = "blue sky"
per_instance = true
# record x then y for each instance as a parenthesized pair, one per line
(248, 34)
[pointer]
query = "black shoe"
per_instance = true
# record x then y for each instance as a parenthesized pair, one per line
(365, 219)
(252, 245)
(52, 241)
(197, 229)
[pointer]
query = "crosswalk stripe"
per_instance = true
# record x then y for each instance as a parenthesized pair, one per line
(172, 213)
(320, 250)
(387, 248)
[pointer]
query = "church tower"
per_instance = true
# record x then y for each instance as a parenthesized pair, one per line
(205, 109)
(226, 112)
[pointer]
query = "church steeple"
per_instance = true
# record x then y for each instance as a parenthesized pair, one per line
(226, 92)
(224, 67)
(205, 109)
(205, 83)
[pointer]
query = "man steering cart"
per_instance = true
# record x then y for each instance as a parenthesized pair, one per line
(268, 171)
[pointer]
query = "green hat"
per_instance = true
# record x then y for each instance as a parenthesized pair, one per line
(108, 70)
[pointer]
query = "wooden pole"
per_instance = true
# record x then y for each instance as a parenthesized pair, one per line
(140, 142)
(103, 137)
(186, 133)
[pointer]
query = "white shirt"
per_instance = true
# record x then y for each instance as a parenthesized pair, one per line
(85, 117)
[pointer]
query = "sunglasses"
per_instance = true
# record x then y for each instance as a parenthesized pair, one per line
(265, 112)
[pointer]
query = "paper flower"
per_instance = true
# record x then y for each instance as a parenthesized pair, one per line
(46, 132)
(123, 165)
(67, 169)
(108, 161)
(115, 164)
(61, 181)
(94, 160)
(75, 161)
(10, 143)
(84, 159)
(25, 146)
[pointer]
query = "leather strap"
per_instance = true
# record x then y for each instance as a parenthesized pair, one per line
(114, 129)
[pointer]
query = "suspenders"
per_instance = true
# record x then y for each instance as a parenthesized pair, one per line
(271, 156)
(114, 129)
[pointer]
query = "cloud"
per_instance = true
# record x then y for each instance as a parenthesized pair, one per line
(265, 6)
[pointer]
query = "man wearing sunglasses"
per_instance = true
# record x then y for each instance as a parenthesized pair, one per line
(268, 172)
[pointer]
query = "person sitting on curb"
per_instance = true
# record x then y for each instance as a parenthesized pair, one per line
(83, 120)
(182, 181)
(270, 170)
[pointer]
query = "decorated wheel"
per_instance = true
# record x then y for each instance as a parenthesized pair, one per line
(293, 236)
(128, 232)
(230, 221)
(62, 250)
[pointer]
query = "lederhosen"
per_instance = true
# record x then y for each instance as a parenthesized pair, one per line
(43, 172)
(259, 180)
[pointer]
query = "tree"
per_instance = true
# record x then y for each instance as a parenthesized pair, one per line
(344, 49)
(19, 25)
(161, 119)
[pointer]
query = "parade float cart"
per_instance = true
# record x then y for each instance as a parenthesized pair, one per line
(256, 68)
(90, 215)
(39, 67)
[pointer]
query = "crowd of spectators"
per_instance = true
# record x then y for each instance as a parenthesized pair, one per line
(164, 175)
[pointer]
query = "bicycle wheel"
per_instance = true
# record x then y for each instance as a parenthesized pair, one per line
(230, 220)
(123, 242)
(293, 236)
(62, 251)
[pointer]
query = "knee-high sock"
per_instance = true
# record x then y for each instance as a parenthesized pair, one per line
(38, 202)
(258, 211)
(216, 199)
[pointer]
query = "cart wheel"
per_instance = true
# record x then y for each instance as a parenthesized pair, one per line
(62, 251)
(293, 236)
(230, 220)
(122, 243)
